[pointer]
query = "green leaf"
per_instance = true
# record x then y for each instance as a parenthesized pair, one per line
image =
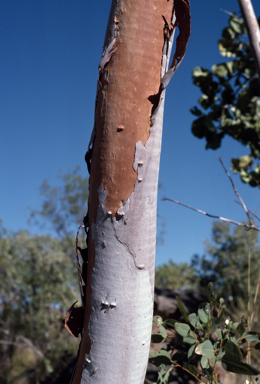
(244, 162)
(237, 25)
(213, 328)
(157, 338)
(228, 33)
(242, 325)
(204, 101)
(227, 47)
(208, 372)
(240, 368)
(219, 319)
(182, 310)
(199, 127)
(191, 352)
(249, 337)
(220, 354)
(190, 339)
(213, 139)
(193, 318)
(182, 329)
(48, 366)
(202, 315)
(220, 70)
(245, 177)
(206, 349)
(219, 334)
(199, 71)
(195, 111)
(164, 376)
(157, 321)
(204, 362)
(210, 289)
(163, 331)
(159, 358)
(232, 352)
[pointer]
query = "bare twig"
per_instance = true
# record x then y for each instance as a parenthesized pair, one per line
(227, 12)
(248, 356)
(236, 192)
(185, 369)
(248, 226)
(251, 224)
(249, 210)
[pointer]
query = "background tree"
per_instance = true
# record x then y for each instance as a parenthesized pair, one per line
(63, 204)
(38, 282)
(173, 275)
(230, 102)
(225, 263)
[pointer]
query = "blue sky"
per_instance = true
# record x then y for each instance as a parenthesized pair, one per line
(50, 52)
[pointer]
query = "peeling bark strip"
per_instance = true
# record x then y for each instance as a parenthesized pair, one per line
(73, 321)
(123, 158)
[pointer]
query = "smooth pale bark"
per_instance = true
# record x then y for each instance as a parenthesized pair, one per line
(253, 30)
(125, 153)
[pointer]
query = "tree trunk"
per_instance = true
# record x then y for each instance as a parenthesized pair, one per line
(123, 157)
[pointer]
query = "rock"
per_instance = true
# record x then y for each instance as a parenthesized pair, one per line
(165, 303)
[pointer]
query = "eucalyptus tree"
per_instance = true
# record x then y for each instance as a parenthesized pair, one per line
(230, 100)
(123, 160)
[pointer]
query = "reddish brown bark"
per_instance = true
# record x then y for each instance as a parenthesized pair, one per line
(123, 106)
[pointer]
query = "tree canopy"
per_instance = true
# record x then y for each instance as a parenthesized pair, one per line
(38, 282)
(173, 275)
(230, 103)
(63, 205)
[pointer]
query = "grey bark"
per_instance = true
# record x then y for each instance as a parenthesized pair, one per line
(252, 30)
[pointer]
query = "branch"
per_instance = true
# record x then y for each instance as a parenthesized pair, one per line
(253, 31)
(251, 224)
(248, 226)
(20, 340)
(236, 192)
(249, 210)
(185, 369)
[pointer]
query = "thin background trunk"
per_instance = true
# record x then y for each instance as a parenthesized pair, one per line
(253, 31)
(124, 153)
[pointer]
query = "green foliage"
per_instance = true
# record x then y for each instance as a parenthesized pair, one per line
(38, 283)
(202, 341)
(230, 103)
(63, 206)
(225, 262)
(176, 276)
